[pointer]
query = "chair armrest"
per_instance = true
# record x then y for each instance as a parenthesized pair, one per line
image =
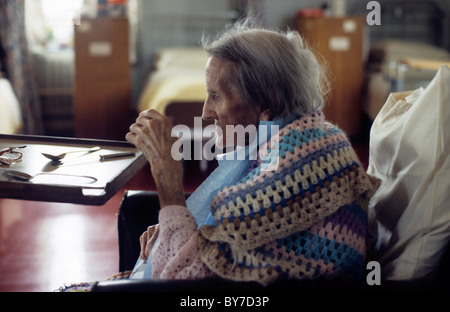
(221, 285)
(206, 285)
(226, 286)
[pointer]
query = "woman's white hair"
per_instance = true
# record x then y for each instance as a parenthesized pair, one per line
(273, 70)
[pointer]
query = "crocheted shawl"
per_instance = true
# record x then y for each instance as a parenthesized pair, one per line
(306, 219)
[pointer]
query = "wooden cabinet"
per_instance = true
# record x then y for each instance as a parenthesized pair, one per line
(102, 95)
(339, 42)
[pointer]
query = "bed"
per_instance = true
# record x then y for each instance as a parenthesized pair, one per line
(10, 114)
(177, 86)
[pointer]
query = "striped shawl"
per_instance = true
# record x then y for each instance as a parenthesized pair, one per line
(304, 220)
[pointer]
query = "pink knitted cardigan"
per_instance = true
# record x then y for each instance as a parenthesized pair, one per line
(307, 219)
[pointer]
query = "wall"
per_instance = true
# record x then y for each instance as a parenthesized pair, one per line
(166, 23)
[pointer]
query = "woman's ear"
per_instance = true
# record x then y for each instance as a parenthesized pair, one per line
(265, 115)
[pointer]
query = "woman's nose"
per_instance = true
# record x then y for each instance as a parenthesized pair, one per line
(207, 112)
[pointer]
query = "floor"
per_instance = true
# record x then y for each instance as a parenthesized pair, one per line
(46, 245)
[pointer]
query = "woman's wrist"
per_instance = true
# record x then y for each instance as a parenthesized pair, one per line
(169, 183)
(169, 196)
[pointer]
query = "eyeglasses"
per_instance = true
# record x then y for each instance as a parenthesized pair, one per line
(9, 156)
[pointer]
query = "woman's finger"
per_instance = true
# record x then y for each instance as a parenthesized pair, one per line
(143, 242)
(153, 235)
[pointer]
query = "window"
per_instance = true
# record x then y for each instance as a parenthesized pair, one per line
(50, 23)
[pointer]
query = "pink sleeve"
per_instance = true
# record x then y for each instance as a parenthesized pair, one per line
(176, 255)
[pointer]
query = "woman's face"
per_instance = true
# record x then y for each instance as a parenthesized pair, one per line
(223, 104)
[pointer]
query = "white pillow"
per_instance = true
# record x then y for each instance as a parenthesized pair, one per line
(409, 152)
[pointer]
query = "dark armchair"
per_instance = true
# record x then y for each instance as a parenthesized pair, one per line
(136, 214)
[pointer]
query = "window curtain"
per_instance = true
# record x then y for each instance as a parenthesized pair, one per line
(17, 65)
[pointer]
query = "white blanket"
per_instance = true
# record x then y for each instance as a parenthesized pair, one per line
(10, 115)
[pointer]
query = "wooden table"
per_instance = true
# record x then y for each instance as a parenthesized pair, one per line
(63, 181)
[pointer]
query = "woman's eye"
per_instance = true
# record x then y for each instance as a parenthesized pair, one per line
(213, 97)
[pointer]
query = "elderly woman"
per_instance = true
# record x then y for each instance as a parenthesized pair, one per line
(304, 219)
